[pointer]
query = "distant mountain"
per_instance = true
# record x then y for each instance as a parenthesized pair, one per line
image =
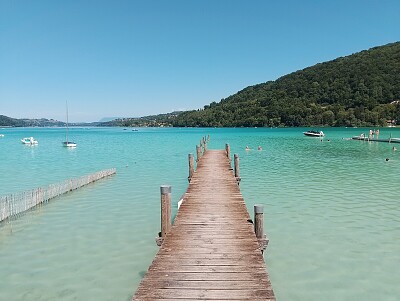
(362, 89)
(106, 119)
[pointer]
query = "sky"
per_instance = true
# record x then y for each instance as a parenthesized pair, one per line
(135, 58)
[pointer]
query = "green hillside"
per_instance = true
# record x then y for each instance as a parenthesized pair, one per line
(362, 89)
(7, 121)
(12, 122)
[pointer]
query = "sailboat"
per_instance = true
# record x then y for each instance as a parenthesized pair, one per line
(68, 143)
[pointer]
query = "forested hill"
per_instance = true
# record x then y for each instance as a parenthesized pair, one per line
(12, 122)
(362, 89)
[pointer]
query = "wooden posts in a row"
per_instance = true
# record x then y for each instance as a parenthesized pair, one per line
(200, 150)
(166, 218)
(259, 227)
(166, 193)
(235, 161)
(203, 146)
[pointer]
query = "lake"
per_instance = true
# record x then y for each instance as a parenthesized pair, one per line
(331, 209)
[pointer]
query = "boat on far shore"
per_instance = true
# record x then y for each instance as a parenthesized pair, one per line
(313, 133)
(29, 141)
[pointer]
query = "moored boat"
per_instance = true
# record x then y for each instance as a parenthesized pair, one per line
(68, 143)
(29, 141)
(313, 133)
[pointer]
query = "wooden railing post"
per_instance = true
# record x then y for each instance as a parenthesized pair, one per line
(198, 153)
(205, 144)
(259, 220)
(228, 151)
(165, 213)
(259, 227)
(237, 169)
(191, 166)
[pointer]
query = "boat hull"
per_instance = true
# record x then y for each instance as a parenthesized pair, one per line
(29, 141)
(69, 144)
(314, 134)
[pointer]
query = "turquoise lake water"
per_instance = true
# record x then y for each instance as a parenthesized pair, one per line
(332, 210)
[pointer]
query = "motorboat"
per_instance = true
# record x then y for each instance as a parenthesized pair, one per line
(313, 133)
(29, 141)
(1, 135)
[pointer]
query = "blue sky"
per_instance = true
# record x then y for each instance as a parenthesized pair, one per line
(136, 58)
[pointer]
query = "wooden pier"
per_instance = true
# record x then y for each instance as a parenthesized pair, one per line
(211, 252)
(368, 139)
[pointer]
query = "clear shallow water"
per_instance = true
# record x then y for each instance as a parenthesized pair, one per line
(332, 210)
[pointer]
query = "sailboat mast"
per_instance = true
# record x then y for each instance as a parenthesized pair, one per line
(66, 133)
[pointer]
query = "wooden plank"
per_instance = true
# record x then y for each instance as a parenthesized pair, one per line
(206, 294)
(208, 284)
(211, 251)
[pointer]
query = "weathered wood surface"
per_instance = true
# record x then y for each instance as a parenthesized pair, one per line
(389, 140)
(211, 252)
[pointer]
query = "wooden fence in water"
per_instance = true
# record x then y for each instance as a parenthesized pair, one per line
(14, 204)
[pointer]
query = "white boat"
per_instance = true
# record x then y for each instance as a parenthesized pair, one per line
(68, 143)
(1, 135)
(314, 133)
(29, 141)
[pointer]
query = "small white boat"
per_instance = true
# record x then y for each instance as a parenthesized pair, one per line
(29, 141)
(68, 143)
(1, 135)
(314, 133)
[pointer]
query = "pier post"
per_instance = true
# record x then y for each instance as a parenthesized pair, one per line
(259, 227)
(201, 147)
(198, 153)
(205, 144)
(237, 169)
(228, 151)
(165, 213)
(191, 166)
